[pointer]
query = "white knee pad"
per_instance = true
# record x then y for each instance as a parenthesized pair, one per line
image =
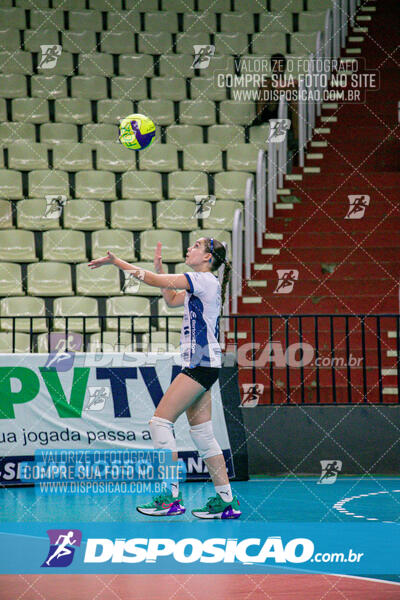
(162, 433)
(204, 440)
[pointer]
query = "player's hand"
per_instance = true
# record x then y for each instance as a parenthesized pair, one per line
(157, 258)
(104, 260)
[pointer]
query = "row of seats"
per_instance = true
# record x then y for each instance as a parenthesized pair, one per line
(19, 246)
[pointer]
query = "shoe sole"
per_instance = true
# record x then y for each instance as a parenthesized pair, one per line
(162, 514)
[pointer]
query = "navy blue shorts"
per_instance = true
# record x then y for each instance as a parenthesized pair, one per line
(205, 376)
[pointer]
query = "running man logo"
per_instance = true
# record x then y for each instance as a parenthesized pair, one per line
(49, 56)
(54, 206)
(62, 349)
(97, 397)
(203, 206)
(357, 206)
(202, 56)
(278, 129)
(329, 471)
(286, 280)
(251, 394)
(62, 547)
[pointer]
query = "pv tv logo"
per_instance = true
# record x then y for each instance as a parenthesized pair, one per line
(62, 547)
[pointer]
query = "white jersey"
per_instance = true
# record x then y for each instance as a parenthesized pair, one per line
(200, 329)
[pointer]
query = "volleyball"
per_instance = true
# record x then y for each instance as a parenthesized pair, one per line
(136, 132)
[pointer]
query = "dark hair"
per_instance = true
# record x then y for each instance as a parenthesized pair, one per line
(218, 252)
(280, 58)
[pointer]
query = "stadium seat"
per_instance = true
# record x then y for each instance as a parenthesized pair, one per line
(79, 41)
(96, 134)
(231, 185)
(160, 111)
(12, 85)
(176, 65)
(13, 17)
(63, 66)
(87, 215)
(154, 43)
(159, 342)
(197, 112)
(17, 246)
(207, 88)
(242, 157)
(216, 234)
(181, 135)
(231, 43)
(92, 87)
(75, 308)
(33, 110)
(171, 245)
(303, 43)
(140, 64)
(115, 157)
(19, 343)
(112, 111)
(283, 6)
(97, 282)
(95, 184)
(118, 42)
(139, 288)
(134, 215)
(185, 42)
(26, 157)
(10, 184)
(9, 40)
(96, 63)
(43, 183)
(202, 157)
(312, 20)
(34, 38)
(143, 186)
(111, 341)
(159, 157)
(16, 62)
(73, 110)
(23, 307)
(199, 22)
(129, 21)
(161, 21)
(32, 215)
(129, 88)
(58, 133)
(49, 86)
(276, 23)
(128, 305)
(72, 157)
(218, 6)
(68, 247)
(49, 17)
(119, 241)
(259, 136)
(225, 135)
(10, 279)
(168, 88)
(237, 113)
(49, 279)
(174, 322)
(92, 20)
(187, 184)
(5, 215)
(221, 215)
(171, 212)
(266, 43)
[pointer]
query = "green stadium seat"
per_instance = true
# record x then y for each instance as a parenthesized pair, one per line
(276, 22)
(231, 185)
(134, 215)
(218, 6)
(160, 111)
(115, 157)
(75, 308)
(91, 87)
(5, 215)
(155, 43)
(87, 215)
(119, 241)
(72, 157)
(237, 22)
(266, 43)
(95, 184)
(141, 65)
(171, 244)
(231, 43)
(225, 135)
(161, 21)
(33, 110)
(96, 134)
(186, 41)
(159, 157)
(58, 133)
(129, 21)
(143, 186)
(9, 39)
(202, 157)
(207, 88)
(112, 111)
(73, 110)
(17, 246)
(259, 136)
(197, 112)
(171, 212)
(312, 21)
(181, 135)
(159, 342)
(49, 17)
(26, 157)
(118, 42)
(49, 86)
(32, 215)
(13, 17)
(23, 307)
(128, 305)
(16, 62)
(129, 88)
(237, 113)
(303, 43)
(139, 288)
(103, 281)
(12, 85)
(174, 321)
(96, 63)
(34, 38)
(11, 279)
(295, 6)
(197, 22)
(105, 5)
(217, 234)
(79, 42)
(17, 343)
(242, 157)
(68, 247)
(176, 65)
(91, 19)
(221, 215)
(49, 279)
(10, 184)
(177, 5)
(42, 183)
(168, 88)
(111, 341)
(187, 184)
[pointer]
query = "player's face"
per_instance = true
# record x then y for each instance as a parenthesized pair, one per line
(197, 254)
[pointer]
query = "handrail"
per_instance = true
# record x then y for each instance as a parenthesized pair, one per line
(261, 196)
(249, 226)
(237, 258)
